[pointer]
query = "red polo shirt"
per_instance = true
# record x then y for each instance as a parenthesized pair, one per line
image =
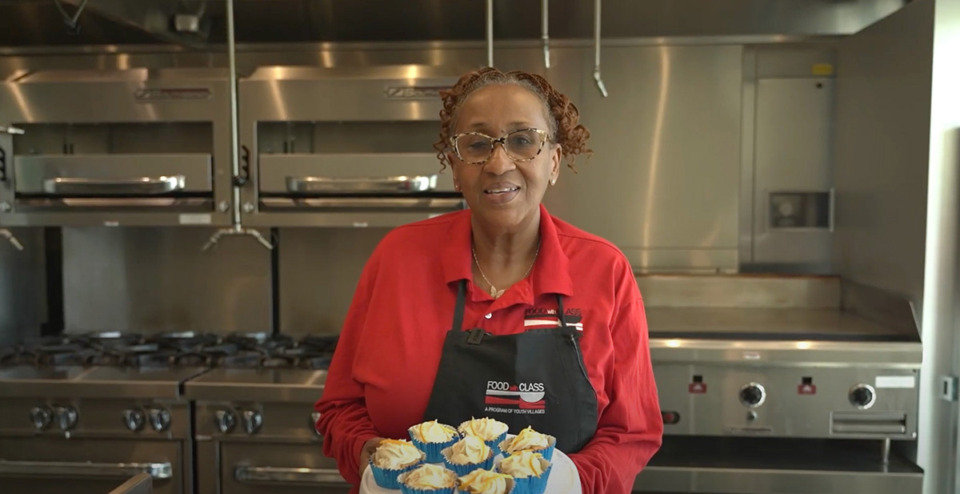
(386, 360)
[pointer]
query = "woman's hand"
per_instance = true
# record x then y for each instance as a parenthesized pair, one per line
(368, 448)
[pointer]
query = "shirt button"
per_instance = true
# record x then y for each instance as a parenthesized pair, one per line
(488, 316)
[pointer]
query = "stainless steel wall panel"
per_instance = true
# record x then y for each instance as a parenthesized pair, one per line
(741, 291)
(156, 280)
(793, 154)
(319, 270)
(883, 91)
(23, 297)
(665, 168)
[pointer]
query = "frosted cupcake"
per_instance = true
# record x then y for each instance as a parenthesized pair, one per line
(529, 471)
(491, 431)
(393, 457)
(485, 482)
(467, 455)
(428, 479)
(431, 437)
(529, 440)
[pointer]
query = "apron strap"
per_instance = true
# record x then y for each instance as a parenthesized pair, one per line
(563, 320)
(458, 309)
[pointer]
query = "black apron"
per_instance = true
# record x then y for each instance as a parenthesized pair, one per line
(536, 378)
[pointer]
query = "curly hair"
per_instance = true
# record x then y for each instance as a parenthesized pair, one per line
(562, 115)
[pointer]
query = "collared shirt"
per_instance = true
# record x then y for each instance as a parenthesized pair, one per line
(386, 360)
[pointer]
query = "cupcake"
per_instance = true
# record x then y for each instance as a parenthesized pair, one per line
(529, 440)
(529, 471)
(393, 457)
(491, 431)
(431, 437)
(485, 482)
(428, 479)
(467, 455)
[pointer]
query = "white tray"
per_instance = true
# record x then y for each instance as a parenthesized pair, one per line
(564, 478)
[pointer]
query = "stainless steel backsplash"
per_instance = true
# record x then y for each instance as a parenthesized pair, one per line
(156, 279)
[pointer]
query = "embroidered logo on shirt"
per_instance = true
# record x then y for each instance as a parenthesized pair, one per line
(538, 318)
(523, 398)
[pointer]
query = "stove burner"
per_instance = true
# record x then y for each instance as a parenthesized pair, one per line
(241, 350)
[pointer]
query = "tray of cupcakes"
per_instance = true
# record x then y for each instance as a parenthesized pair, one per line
(478, 457)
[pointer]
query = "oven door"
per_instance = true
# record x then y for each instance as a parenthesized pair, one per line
(755, 465)
(255, 468)
(40, 465)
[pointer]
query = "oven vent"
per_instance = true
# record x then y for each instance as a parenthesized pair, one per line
(859, 423)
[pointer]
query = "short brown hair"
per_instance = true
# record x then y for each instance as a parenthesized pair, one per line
(562, 115)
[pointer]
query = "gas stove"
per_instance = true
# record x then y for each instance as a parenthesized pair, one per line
(91, 409)
(188, 349)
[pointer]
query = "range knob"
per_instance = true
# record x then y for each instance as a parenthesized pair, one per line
(252, 421)
(41, 417)
(159, 419)
(225, 420)
(752, 395)
(66, 417)
(134, 419)
(863, 396)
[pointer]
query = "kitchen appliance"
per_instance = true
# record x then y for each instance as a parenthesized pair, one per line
(94, 408)
(344, 146)
(779, 393)
(88, 427)
(255, 433)
(115, 147)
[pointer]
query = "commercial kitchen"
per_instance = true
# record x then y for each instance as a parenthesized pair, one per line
(189, 190)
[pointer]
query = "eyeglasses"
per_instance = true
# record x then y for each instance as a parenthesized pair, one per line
(520, 145)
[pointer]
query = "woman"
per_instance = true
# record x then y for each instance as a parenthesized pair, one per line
(501, 310)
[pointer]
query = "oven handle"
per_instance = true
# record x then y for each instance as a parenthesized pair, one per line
(364, 185)
(99, 186)
(280, 475)
(85, 469)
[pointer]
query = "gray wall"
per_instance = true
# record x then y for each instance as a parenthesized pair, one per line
(882, 144)
(22, 286)
(897, 183)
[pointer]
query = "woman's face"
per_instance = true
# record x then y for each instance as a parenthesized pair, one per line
(502, 193)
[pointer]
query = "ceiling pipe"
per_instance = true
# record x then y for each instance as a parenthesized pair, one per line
(596, 49)
(238, 180)
(7, 234)
(489, 33)
(544, 28)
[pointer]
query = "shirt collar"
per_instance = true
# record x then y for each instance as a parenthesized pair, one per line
(550, 273)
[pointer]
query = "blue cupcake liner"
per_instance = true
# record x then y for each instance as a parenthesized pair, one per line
(494, 444)
(533, 485)
(410, 490)
(432, 450)
(387, 478)
(547, 453)
(462, 470)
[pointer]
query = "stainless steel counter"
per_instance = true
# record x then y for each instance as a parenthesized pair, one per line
(271, 385)
(95, 382)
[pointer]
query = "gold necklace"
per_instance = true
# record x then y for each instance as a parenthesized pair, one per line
(493, 290)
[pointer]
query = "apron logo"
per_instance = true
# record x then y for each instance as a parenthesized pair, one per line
(523, 398)
(543, 318)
